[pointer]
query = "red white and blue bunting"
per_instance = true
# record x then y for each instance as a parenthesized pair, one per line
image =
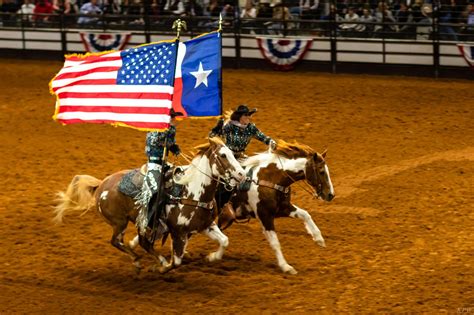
(98, 42)
(467, 51)
(283, 53)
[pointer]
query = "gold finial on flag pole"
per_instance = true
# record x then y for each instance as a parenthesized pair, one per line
(220, 23)
(178, 25)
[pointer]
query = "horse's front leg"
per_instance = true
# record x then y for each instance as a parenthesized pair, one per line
(267, 221)
(215, 234)
(311, 227)
(178, 247)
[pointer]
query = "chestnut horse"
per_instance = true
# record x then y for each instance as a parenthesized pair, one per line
(192, 212)
(269, 195)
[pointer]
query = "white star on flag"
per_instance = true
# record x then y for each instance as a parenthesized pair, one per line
(201, 75)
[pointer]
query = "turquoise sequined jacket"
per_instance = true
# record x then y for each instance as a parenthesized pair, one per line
(155, 144)
(237, 137)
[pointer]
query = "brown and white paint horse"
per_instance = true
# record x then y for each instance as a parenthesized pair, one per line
(193, 212)
(269, 196)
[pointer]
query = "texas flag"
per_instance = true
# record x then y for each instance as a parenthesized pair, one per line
(197, 86)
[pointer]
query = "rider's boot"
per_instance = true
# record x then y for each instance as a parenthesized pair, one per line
(226, 217)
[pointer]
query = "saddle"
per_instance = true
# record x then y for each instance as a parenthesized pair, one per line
(132, 182)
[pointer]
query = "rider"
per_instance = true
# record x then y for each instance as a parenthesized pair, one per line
(237, 134)
(154, 149)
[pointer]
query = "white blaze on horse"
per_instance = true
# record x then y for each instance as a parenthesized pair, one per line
(269, 194)
(193, 211)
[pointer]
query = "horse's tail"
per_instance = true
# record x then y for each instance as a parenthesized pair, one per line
(79, 196)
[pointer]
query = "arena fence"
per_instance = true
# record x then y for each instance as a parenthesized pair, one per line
(422, 50)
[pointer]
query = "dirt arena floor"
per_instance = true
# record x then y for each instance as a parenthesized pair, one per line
(399, 234)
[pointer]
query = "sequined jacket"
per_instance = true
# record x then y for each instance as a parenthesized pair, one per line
(237, 137)
(155, 144)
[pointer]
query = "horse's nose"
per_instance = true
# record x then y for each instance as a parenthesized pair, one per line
(330, 197)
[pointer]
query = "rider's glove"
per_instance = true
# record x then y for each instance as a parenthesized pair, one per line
(175, 149)
(273, 144)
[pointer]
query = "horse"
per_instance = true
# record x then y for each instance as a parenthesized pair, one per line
(269, 196)
(192, 212)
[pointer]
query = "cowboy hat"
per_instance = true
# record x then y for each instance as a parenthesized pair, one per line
(244, 110)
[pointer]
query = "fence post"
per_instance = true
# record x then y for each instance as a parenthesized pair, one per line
(63, 33)
(435, 32)
(147, 7)
(333, 38)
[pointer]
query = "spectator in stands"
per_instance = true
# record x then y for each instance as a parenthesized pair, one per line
(26, 11)
(214, 8)
(249, 11)
(416, 11)
(281, 15)
(423, 31)
(192, 8)
(384, 16)
(448, 14)
(135, 11)
(467, 23)
(42, 7)
(349, 25)
(174, 7)
(403, 16)
(66, 7)
(111, 7)
(9, 9)
(92, 10)
(308, 9)
(365, 30)
(248, 16)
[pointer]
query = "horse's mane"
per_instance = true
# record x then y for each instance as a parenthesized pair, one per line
(201, 149)
(283, 149)
(205, 146)
(293, 150)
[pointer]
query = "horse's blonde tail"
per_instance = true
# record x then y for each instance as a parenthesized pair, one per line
(79, 196)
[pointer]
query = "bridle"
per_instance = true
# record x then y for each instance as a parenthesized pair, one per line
(319, 179)
(221, 180)
(319, 184)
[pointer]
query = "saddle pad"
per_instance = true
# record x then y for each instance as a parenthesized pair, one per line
(131, 183)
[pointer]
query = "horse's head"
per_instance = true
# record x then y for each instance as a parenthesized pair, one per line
(223, 162)
(317, 174)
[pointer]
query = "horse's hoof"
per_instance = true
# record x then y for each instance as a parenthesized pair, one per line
(320, 242)
(212, 257)
(164, 269)
(133, 243)
(162, 260)
(289, 269)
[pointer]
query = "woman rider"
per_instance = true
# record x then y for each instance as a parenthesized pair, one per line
(154, 149)
(237, 134)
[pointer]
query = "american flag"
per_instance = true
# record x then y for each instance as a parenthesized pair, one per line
(132, 88)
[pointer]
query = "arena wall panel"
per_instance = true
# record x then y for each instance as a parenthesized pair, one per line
(409, 59)
(354, 57)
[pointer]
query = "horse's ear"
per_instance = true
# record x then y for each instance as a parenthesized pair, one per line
(324, 153)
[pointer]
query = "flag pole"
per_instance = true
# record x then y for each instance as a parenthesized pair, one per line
(219, 30)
